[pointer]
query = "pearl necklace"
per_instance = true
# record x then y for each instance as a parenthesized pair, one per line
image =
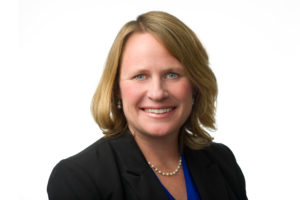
(166, 173)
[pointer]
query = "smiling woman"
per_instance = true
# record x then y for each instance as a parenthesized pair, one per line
(155, 100)
(184, 46)
(153, 88)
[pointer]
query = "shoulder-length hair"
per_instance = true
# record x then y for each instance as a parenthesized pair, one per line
(184, 45)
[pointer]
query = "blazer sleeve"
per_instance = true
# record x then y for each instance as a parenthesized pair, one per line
(68, 181)
(225, 159)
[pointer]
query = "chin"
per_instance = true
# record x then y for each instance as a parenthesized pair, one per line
(160, 132)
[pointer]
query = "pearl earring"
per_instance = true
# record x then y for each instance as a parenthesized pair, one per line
(119, 104)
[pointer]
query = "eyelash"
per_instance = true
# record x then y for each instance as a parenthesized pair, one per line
(138, 77)
(173, 74)
(142, 76)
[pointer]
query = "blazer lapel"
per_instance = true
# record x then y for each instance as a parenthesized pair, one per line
(206, 175)
(139, 177)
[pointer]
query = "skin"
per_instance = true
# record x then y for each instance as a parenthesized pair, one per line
(156, 99)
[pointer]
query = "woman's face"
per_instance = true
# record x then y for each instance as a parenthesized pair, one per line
(155, 91)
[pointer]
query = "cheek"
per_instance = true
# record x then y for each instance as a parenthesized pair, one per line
(184, 90)
(126, 90)
(129, 92)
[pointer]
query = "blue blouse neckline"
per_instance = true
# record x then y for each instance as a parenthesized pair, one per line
(192, 192)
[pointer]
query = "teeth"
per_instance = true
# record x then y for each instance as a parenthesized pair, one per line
(158, 111)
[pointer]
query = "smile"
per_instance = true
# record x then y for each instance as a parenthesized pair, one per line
(158, 111)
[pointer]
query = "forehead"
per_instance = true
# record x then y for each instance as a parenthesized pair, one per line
(143, 43)
(145, 49)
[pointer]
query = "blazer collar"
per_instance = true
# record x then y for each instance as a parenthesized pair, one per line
(206, 175)
(136, 171)
(143, 182)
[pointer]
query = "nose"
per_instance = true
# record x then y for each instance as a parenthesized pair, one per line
(157, 90)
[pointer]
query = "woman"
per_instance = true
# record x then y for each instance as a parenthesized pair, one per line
(154, 103)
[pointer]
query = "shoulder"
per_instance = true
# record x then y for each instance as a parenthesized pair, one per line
(98, 155)
(215, 152)
(223, 157)
(220, 153)
(90, 157)
(99, 150)
(80, 176)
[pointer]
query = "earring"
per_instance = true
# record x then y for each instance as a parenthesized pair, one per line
(119, 105)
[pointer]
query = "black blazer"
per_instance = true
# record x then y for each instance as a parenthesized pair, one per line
(115, 169)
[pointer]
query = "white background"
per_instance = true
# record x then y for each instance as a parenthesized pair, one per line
(52, 54)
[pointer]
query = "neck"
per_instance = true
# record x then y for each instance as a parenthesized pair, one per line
(161, 151)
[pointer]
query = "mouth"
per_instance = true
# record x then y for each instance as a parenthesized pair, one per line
(158, 110)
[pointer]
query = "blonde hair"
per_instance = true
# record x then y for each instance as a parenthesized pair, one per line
(184, 45)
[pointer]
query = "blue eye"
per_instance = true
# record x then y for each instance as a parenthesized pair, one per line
(172, 75)
(140, 77)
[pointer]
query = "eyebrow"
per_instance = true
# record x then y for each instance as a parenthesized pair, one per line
(171, 68)
(139, 69)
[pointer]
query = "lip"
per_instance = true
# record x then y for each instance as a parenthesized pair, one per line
(165, 111)
(157, 107)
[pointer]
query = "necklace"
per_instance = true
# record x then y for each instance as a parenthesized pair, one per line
(166, 173)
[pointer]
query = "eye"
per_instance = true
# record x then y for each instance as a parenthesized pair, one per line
(140, 77)
(172, 75)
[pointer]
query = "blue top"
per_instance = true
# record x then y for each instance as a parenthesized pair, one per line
(192, 192)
